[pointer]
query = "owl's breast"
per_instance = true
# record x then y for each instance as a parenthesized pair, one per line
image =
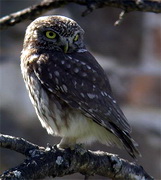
(47, 80)
(56, 116)
(48, 111)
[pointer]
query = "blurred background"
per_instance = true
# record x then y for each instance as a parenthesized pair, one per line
(130, 55)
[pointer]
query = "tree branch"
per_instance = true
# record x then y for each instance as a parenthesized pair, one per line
(46, 5)
(56, 162)
(17, 144)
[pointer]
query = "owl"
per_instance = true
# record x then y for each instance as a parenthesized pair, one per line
(69, 89)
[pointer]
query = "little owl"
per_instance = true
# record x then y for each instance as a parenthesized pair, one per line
(68, 88)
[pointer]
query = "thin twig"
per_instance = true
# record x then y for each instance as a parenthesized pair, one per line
(121, 18)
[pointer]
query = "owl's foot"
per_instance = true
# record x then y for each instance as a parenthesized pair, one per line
(80, 148)
(67, 143)
(71, 143)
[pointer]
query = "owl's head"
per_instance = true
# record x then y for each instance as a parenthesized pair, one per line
(54, 32)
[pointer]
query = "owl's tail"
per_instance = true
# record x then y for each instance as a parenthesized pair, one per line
(129, 144)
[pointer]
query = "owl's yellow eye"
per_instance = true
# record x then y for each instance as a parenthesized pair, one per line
(50, 34)
(76, 38)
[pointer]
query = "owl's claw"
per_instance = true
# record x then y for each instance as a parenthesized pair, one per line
(80, 148)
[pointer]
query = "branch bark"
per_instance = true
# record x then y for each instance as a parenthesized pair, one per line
(17, 144)
(56, 162)
(46, 5)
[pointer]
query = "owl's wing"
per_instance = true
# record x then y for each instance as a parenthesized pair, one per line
(80, 81)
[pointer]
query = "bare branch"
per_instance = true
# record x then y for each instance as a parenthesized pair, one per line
(126, 5)
(17, 144)
(56, 162)
(46, 5)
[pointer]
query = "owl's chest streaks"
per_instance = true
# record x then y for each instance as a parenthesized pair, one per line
(52, 112)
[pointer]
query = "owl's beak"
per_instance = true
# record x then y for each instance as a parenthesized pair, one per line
(66, 46)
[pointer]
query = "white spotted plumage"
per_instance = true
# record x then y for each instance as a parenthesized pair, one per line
(68, 88)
